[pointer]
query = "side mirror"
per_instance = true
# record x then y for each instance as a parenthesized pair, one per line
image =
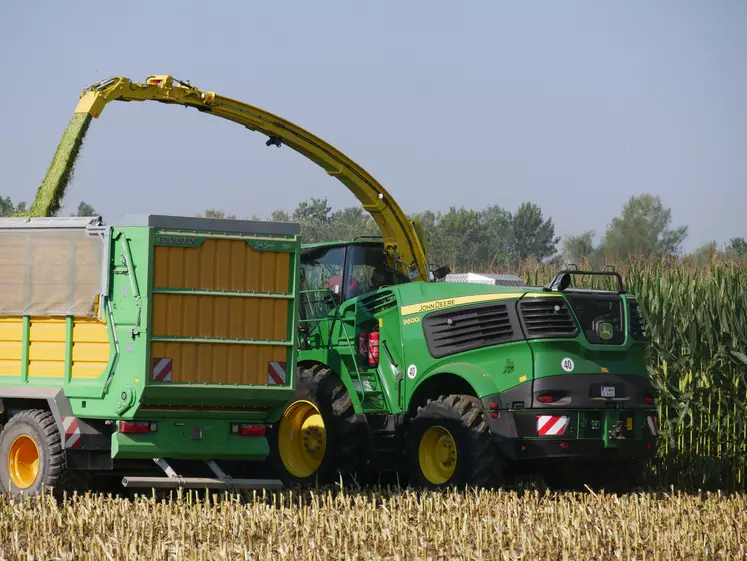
(442, 271)
(559, 283)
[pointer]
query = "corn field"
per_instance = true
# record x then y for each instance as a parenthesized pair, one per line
(697, 322)
(378, 524)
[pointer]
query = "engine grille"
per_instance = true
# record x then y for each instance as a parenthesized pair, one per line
(547, 317)
(465, 329)
(378, 302)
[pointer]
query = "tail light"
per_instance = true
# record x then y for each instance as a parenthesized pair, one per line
(373, 348)
(545, 398)
(648, 400)
(136, 427)
(248, 430)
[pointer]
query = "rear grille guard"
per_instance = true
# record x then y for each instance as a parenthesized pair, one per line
(636, 322)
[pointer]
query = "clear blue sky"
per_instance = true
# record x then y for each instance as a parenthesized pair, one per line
(575, 106)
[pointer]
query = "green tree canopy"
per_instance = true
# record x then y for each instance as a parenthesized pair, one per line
(739, 247)
(533, 236)
(84, 209)
(7, 208)
(580, 248)
(705, 253)
(498, 237)
(462, 237)
(216, 213)
(643, 228)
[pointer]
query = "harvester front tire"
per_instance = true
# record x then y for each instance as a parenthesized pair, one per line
(32, 458)
(319, 393)
(449, 444)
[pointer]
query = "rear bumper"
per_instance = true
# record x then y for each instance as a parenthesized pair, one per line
(190, 439)
(586, 433)
(526, 449)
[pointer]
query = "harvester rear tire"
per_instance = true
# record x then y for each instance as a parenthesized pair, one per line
(321, 387)
(31, 454)
(459, 423)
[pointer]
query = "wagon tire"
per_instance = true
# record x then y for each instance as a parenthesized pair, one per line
(32, 458)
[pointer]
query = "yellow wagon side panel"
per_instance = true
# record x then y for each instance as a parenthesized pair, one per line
(47, 338)
(91, 348)
(11, 341)
(48, 343)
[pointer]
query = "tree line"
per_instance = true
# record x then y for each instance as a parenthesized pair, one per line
(7, 208)
(495, 239)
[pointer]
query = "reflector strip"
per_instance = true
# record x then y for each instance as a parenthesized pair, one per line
(161, 369)
(72, 432)
(276, 373)
(652, 426)
(551, 425)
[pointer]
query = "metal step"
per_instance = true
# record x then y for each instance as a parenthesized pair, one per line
(201, 483)
(221, 481)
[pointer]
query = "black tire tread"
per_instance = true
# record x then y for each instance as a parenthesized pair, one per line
(483, 463)
(323, 384)
(44, 421)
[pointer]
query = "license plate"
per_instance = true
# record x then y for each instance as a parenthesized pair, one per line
(608, 391)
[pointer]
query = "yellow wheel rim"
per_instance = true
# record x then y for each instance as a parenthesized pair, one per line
(23, 462)
(437, 455)
(302, 439)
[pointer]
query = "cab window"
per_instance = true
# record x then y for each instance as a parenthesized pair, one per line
(321, 280)
(367, 270)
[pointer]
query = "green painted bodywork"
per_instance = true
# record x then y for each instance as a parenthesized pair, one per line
(190, 438)
(124, 390)
(488, 370)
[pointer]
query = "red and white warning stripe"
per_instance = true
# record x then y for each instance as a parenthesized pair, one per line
(72, 432)
(161, 369)
(551, 425)
(653, 426)
(276, 373)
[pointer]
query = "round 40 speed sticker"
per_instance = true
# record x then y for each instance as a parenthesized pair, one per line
(567, 364)
(412, 371)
